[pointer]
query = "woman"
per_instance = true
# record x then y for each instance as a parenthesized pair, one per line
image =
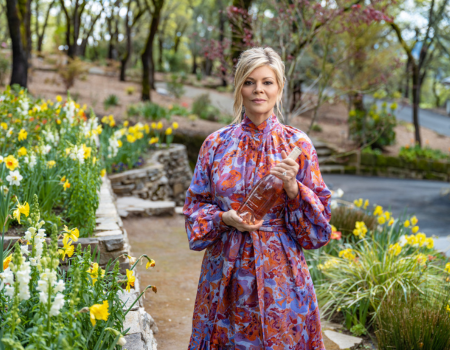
(255, 290)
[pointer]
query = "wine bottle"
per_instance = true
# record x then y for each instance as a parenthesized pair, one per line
(263, 195)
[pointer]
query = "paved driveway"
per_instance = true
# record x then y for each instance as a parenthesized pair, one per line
(416, 197)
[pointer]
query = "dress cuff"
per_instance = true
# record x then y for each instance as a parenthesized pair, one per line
(295, 204)
(218, 222)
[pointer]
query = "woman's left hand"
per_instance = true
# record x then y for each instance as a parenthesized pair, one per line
(287, 171)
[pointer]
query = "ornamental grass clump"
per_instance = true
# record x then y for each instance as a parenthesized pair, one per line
(415, 321)
(44, 305)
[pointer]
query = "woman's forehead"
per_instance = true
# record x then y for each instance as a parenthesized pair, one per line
(263, 72)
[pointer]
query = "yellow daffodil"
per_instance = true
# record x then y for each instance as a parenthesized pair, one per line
(21, 209)
(447, 267)
(381, 220)
(395, 249)
(168, 131)
(406, 223)
(73, 234)
(99, 312)
(387, 215)
(175, 125)
(391, 222)
(429, 242)
(4, 126)
(11, 162)
(378, 210)
(358, 202)
(6, 262)
(153, 140)
(347, 254)
(22, 151)
(366, 204)
(130, 280)
(125, 123)
(112, 124)
(448, 308)
(415, 229)
(63, 179)
(51, 164)
(66, 185)
(58, 98)
(139, 135)
(159, 126)
(67, 248)
(150, 263)
(105, 120)
(360, 229)
(146, 128)
(421, 259)
(153, 125)
(119, 143)
(414, 221)
(103, 172)
(22, 135)
(95, 271)
(131, 138)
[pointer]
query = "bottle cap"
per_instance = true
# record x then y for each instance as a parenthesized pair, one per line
(295, 153)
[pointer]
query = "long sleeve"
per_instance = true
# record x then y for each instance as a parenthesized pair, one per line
(204, 223)
(307, 216)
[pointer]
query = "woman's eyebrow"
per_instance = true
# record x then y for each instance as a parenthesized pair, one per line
(263, 78)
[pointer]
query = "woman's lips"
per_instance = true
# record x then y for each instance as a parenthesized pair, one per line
(258, 101)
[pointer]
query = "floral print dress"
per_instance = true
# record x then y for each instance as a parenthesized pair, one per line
(255, 291)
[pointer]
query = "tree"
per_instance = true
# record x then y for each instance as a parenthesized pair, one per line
(19, 72)
(148, 66)
(427, 42)
(241, 27)
(40, 32)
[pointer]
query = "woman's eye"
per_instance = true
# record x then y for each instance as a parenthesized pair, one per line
(268, 83)
(247, 83)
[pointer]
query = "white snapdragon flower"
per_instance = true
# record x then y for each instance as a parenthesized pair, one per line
(23, 277)
(70, 111)
(46, 149)
(77, 153)
(59, 286)
(7, 281)
(57, 305)
(14, 178)
(24, 249)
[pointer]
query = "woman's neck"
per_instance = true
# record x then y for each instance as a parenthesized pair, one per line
(258, 118)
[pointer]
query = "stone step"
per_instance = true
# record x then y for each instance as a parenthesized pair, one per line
(332, 169)
(323, 151)
(139, 206)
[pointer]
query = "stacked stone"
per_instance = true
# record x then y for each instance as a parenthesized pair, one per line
(165, 175)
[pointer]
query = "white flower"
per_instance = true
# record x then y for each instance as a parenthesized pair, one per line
(402, 241)
(121, 341)
(34, 261)
(333, 204)
(57, 305)
(46, 149)
(23, 277)
(14, 178)
(30, 161)
(6, 277)
(59, 286)
(77, 153)
(70, 111)
(41, 233)
(9, 132)
(24, 249)
(1, 159)
(5, 190)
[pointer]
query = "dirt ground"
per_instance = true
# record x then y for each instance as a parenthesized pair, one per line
(93, 90)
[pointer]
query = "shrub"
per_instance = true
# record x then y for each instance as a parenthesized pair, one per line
(316, 127)
(178, 110)
(4, 69)
(74, 69)
(111, 101)
(130, 90)
(175, 84)
(374, 128)
(204, 109)
(153, 111)
(412, 153)
(344, 219)
(417, 322)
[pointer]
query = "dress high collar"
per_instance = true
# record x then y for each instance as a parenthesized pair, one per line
(265, 127)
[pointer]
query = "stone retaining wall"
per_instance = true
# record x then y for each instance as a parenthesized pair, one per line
(165, 176)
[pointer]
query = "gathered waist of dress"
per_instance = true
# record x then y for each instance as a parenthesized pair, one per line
(273, 224)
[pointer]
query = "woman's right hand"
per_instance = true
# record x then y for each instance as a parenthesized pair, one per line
(231, 218)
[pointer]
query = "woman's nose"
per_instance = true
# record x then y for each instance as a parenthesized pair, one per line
(258, 88)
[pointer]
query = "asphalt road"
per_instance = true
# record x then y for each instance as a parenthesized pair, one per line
(416, 197)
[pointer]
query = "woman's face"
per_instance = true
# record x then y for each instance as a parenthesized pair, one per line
(260, 92)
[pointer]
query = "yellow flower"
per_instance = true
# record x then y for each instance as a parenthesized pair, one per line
(153, 125)
(391, 222)
(387, 215)
(94, 160)
(159, 126)
(67, 248)
(67, 151)
(447, 267)
(381, 220)
(22, 151)
(421, 259)
(347, 254)
(360, 229)
(175, 125)
(87, 151)
(378, 210)
(22, 135)
(131, 138)
(125, 123)
(150, 263)
(406, 223)
(21, 209)
(51, 164)
(130, 280)
(358, 202)
(99, 312)
(66, 185)
(73, 234)
(429, 242)
(11, 163)
(448, 308)
(58, 98)
(103, 172)
(394, 106)
(366, 204)
(63, 179)
(168, 131)
(415, 229)
(4, 126)
(105, 120)
(146, 128)
(112, 124)
(414, 221)
(153, 140)
(6, 262)
(95, 271)
(395, 249)
(139, 135)
(119, 143)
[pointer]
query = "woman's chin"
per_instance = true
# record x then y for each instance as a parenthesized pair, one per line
(259, 110)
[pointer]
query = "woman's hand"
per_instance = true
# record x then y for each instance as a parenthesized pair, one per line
(290, 168)
(231, 218)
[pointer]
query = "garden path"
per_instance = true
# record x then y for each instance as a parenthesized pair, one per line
(422, 198)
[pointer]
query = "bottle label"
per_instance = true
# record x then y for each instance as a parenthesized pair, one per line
(295, 153)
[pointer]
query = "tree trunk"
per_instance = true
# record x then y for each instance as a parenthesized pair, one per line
(19, 73)
(194, 63)
(222, 20)
(160, 51)
(148, 66)
(408, 78)
(416, 100)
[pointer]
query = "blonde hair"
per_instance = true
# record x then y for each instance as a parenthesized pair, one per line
(250, 60)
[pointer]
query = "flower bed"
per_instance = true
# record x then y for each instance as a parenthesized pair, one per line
(364, 265)
(58, 288)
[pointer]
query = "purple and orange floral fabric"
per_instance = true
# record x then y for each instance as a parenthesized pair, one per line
(255, 291)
